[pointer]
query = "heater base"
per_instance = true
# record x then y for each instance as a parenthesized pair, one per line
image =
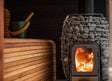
(84, 78)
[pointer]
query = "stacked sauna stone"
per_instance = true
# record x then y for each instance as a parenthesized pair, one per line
(86, 28)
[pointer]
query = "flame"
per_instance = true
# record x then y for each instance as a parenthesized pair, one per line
(84, 60)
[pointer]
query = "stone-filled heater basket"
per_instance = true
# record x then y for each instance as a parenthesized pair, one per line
(85, 28)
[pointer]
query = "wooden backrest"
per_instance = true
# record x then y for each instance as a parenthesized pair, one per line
(29, 60)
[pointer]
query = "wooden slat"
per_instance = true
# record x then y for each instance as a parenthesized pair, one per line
(25, 65)
(28, 72)
(8, 50)
(10, 45)
(15, 63)
(25, 57)
(36, 74)
(1, 37)
(7, 75)
(8, 55)
(42, 77)
(10, 40)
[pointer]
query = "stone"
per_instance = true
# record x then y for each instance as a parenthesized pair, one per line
(81, 18)
(85, 40)
(97, 38)
(106, 51)
(69, 35)
(91, 35)
(81, 28)
(79, 39)
(70, 29)
(75, 22)
(98, 41)
(85, 35)
(78, 34)
(102, 22)
(99, 34)
(74, 38)
(76, 28)
(92, 40)
(86, 30)
(98, 29)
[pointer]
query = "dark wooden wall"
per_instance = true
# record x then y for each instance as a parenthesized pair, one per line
(48, 19)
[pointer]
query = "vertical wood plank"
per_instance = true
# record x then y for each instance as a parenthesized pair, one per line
(109, 15)
(1, 37)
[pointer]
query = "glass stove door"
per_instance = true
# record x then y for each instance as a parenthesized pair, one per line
(84, 59)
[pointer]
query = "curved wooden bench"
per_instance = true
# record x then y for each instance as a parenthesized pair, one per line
(29, 60)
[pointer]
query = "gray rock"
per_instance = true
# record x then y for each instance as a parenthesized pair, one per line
(86, 30)
(85, 35)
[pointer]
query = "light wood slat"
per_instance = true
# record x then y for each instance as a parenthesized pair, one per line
(30, 76)
(23, 70)
(8, 50)
(8, 55)
(10, 45)
(26, 65)
(28, 72)
(17, 40)
(43, 77)
(46, 77)
(12, 64)
(37, 75)
(25, 57)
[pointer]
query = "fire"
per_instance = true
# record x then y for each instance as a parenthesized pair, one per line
(84, 60)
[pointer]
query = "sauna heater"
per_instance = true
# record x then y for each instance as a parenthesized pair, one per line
(85, 47)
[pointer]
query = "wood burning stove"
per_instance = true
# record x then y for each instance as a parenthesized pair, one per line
(85, 45)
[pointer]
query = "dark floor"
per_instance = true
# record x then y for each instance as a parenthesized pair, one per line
(61, 80)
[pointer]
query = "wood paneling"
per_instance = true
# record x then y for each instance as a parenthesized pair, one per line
(1, 37)
(29, 60)
(109, 13)
(110, 22)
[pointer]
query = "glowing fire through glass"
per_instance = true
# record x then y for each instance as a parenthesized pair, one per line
(84, 59)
